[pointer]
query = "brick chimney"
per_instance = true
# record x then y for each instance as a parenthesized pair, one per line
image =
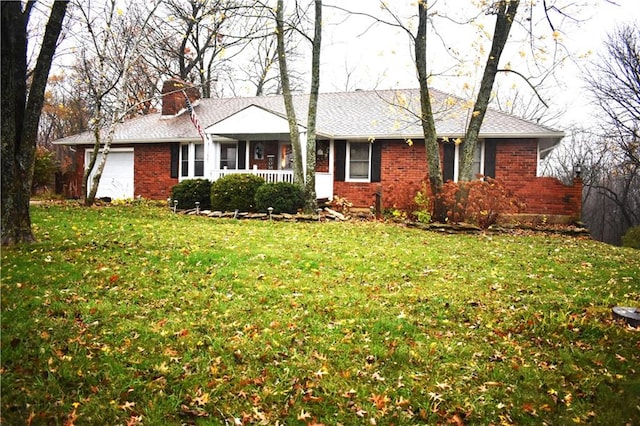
(173, 100)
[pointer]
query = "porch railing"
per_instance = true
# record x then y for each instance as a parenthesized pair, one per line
(270, 176)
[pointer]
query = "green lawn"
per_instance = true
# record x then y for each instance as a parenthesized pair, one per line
(135, 315)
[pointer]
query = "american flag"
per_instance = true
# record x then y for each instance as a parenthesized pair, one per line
(193, 116)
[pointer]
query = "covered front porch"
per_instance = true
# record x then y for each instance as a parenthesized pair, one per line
(270, 160)
(256, 141)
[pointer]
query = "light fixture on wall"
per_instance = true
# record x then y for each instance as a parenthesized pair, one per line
(258, 151)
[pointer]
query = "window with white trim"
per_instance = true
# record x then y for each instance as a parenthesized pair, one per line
(477, 167)
(358, 161)
(453, 155)
(192, 160)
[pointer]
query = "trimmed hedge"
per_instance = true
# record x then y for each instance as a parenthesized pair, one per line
(284, 197)
(189, 191)
(235, 192)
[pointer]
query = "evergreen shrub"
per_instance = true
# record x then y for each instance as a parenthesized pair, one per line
(235, 192)
(284, 197)
(189, 191)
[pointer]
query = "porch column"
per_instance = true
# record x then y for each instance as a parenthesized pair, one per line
(208, 157)
(247, 154)
(303, 148)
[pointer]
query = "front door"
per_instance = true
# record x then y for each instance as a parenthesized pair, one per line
(286, 156)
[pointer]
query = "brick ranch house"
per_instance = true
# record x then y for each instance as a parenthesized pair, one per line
(368, 142)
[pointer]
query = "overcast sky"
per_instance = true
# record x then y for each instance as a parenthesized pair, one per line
(359, 55)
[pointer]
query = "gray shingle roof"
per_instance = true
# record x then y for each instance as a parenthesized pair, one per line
(348, 115)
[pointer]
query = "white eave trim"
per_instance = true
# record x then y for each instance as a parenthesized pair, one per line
(128, 141)
(555, 135)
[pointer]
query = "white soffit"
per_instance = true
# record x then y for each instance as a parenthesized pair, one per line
(252, 120)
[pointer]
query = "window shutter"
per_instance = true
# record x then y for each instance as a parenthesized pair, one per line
(175, 158)
(448, 161)
(376, 161)
(490, 158)
(242, 155)
(341, 157)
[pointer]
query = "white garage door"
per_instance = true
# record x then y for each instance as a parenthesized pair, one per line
(117, 178)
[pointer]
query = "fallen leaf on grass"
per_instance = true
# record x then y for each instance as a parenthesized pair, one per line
(201, 400)
(71, 419)
(304, 415)
(128, 405)
(377, 376)
(380, 401)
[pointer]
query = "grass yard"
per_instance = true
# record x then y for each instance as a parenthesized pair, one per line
(133, 315)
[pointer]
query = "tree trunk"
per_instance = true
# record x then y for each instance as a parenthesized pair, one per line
(310, 181)
(426, 114)
(91, 193)
(21, 113)
(298, 175)
(89, 167)
(506, 15)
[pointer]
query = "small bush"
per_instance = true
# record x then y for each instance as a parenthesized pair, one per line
(189, 191)
(480, 202)
(44, 170)
(423, 211)
(235, 192)
(284, 197)
(631, 238)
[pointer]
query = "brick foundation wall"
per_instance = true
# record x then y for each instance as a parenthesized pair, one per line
(516, 167)
(549, 196)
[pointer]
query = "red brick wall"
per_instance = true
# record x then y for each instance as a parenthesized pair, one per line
(173, 96)
(404, 171)
(549, 196)
(152, 170)
(516, 166)
(516, 161)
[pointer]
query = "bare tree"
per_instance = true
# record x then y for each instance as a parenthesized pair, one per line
(505, 12)
(524, 104)
(316, 44)
(261, 70)
(22, 95)
(298, 175)
(306, 181)
(615, 85)
(112, 44)
(64, 111)
(609, 154)
(196, 39)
